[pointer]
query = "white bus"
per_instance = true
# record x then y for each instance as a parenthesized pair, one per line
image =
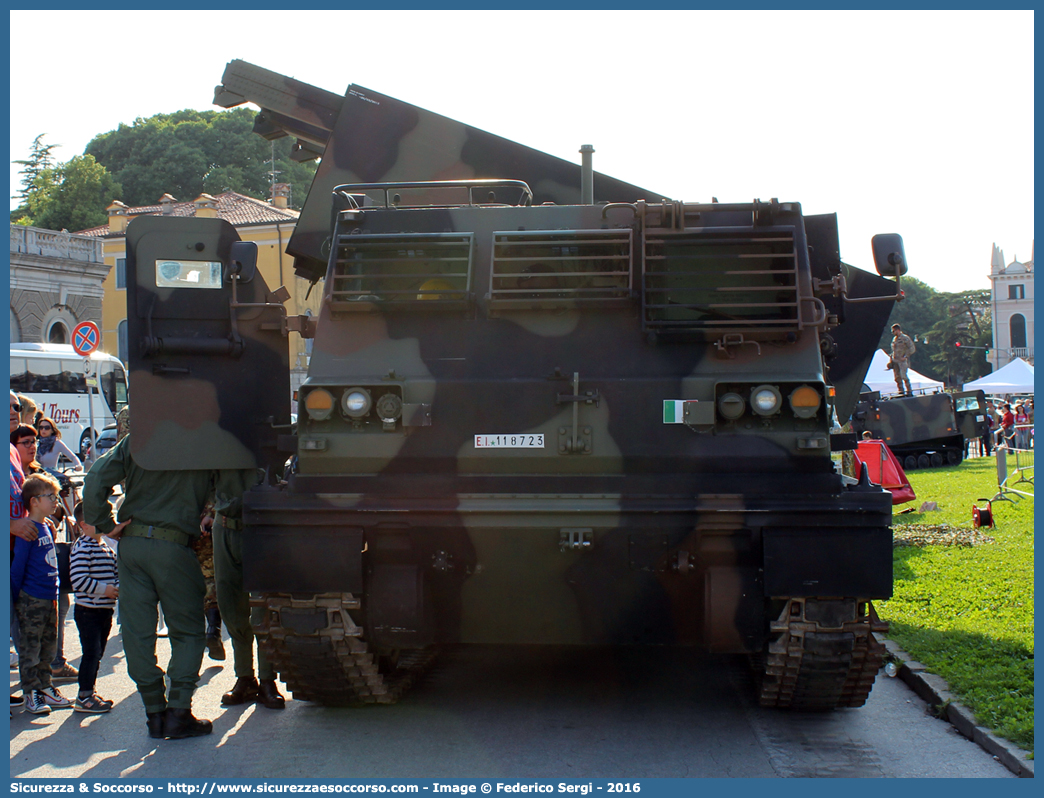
(53, 376)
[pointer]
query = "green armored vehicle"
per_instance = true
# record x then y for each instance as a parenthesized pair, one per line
(928, 430)
(529, 420)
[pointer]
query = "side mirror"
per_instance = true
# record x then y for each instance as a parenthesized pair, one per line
(242, 260)
(889, 258)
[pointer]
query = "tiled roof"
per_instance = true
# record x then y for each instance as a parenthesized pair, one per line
(234, 208)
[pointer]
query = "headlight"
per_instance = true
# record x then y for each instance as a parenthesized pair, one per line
(731, 406)
(389, 408)
(805, 401)
(319, 404)
(356, 402)
(766, 400)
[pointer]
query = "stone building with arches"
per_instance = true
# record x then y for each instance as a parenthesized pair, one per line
(56, 282)
(1012, 305)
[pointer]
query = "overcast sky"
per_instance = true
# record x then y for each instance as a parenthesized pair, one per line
(919, 123)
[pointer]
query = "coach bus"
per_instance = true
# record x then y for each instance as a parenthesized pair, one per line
(54, 377)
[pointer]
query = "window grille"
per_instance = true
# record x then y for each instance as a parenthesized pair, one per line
(430, 271)
(547, 268)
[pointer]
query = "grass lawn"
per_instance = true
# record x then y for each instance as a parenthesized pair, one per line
(966, 612)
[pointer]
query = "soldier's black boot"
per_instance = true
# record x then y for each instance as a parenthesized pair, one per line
(269, 695)
(179, 723)
(154, 723)
(243, 691)
(215, 648)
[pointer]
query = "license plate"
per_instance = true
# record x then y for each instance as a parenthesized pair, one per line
(509, 441)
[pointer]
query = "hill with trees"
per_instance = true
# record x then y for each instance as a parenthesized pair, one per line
(189, 152)
(184, 154)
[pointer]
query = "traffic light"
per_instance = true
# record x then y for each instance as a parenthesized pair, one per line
(958, 344)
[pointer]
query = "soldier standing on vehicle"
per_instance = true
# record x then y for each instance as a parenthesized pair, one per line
(158, 522)
(902, 348)
(233, 600)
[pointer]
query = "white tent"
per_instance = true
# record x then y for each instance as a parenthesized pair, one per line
(1016, 377)
(882, 379)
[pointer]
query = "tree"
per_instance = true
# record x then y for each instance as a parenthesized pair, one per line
(190, 152)
(79, 199)
(38, 179)
(962, 335)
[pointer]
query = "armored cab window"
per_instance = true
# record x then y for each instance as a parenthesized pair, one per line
(535, 269)
(727, 281)
(430, 271)
(188, 274)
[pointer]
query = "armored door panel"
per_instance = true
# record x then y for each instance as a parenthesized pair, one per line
(207, 379)
(855, 348)
(970, 407)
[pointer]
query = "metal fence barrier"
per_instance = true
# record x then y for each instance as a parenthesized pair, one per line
(1015, 464)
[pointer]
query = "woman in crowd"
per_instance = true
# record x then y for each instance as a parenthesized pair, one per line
(50, 446)
(24, 439)
(1021, 427)
(1007, 427)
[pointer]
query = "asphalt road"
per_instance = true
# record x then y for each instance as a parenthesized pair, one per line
(487, 712)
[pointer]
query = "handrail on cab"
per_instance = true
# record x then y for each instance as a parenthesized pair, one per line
(471, 185)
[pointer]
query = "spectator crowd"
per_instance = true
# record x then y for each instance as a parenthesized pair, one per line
(60, 559)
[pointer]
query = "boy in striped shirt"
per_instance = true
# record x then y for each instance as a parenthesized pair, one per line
(93, 572)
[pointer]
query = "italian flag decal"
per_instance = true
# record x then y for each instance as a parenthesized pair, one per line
(673, 411)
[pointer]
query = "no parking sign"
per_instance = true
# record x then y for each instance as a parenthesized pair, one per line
(85, 338)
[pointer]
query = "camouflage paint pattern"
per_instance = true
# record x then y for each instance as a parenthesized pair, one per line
(203, 546)
(210, 383)
(529, 423)
(38, 640)
(971, 411)
(619, 527)
(911, 425)
(376, 138)
(646, 532)
(288, 106)
(123, 423)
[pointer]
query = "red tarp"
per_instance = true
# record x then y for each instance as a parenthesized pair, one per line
(884, 470)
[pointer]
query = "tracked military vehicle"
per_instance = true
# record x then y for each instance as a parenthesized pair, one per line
(528, 419)
(929, 430)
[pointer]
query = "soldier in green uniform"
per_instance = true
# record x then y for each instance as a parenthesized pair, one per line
(158, 522)
(233, 600)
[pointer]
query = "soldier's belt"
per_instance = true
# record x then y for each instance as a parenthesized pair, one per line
(159, 533)
(231, 523)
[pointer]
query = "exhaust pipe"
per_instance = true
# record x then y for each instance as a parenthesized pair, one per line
(586, 175)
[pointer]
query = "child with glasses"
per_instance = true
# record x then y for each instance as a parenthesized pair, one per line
(34, 594)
